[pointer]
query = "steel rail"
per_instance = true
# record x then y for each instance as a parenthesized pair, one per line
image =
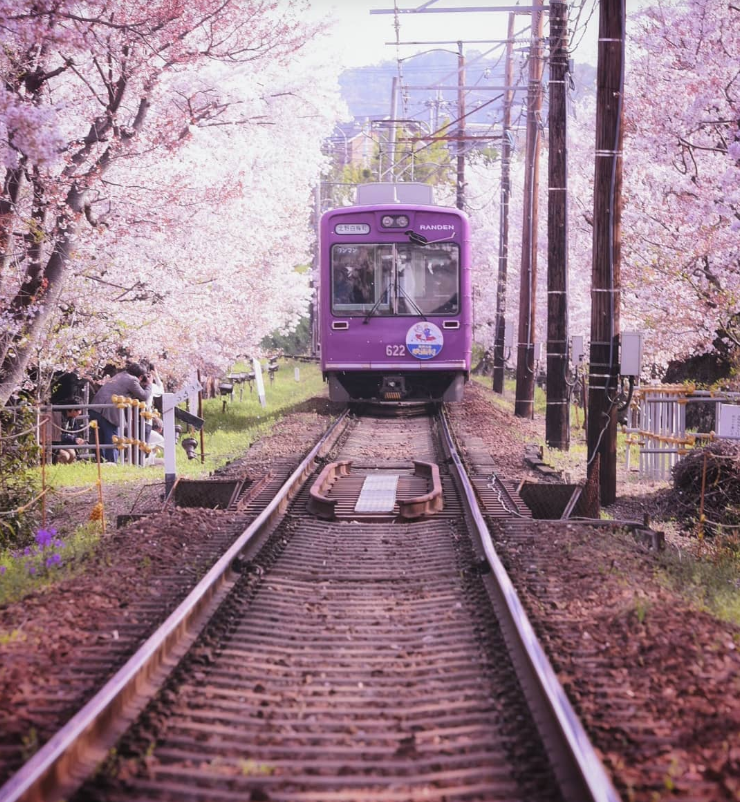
(580, 773)
(62, 763)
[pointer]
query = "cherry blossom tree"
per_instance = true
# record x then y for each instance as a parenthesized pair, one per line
(681, 219)
(113, 116)
(206, 268)
(681, 224)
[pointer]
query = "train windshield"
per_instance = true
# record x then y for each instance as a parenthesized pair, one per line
(396, 279)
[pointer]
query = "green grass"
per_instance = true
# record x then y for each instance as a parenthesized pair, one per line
(709, 582)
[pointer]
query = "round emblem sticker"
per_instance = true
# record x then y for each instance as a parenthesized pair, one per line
(424, 340)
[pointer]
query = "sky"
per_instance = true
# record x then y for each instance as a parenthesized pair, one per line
(361, 38)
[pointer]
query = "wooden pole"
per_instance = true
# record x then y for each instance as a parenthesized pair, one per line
(557, 416)
(701, 501)
(503, 243)
(200, 415)
(605, 280)
(44, 424)
(101, 506)
(525, 372)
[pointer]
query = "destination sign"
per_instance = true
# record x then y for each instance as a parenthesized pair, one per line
(352, 228)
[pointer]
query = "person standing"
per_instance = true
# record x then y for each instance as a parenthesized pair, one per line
(131, 383)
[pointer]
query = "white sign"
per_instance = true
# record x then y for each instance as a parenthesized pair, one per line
(729, 422)
(260, 383)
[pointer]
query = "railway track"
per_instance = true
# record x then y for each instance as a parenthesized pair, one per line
(348, 654)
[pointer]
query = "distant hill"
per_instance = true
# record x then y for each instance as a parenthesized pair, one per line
(367, 90)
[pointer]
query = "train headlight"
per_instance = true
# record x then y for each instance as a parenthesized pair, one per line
(394, 221)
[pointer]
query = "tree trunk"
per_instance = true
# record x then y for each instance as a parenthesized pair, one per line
(19, 350)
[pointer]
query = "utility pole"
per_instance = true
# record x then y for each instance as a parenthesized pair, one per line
(525, 377)
(503, 242)
(557, 416)
(461, 127)
(314, 307)
(605, 277)
(392, 130)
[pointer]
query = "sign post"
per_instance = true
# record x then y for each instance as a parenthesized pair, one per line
(260, 381)
(169, 403)
(728, 425)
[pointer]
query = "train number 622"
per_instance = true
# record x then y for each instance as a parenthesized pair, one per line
(395, 350)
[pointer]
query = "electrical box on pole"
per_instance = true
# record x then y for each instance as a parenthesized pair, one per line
(509, 335)
(576, 350)
(631, 354)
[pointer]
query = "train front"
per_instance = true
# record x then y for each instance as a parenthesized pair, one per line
(395, 303)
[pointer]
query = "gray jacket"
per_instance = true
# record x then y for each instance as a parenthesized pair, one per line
(121, 384)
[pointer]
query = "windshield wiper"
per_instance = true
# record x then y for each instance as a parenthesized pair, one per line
(377, 304)
(412, 303)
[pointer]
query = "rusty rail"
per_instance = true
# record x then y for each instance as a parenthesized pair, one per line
(579, 770)
(430, 502)
(319, 503)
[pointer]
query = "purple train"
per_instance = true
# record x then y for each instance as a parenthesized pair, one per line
(395, 311)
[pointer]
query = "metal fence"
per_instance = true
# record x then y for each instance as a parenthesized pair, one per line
(657, 423)
(129, 442)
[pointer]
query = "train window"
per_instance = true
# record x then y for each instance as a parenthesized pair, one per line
(362, 279)
(395, 279)
(428, 279)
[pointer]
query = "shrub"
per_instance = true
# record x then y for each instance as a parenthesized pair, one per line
(19, 453)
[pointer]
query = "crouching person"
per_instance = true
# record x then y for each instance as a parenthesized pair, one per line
(68, 427)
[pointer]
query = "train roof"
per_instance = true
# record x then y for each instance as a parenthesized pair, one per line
(407, 193)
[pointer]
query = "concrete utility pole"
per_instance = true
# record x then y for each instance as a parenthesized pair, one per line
(605, 278)
(557, 416)
(525, 377)
(503, 243)
(461, 127)
(393, 130)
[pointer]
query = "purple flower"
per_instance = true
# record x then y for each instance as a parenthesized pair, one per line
(44, 537)
(3, 569)
(55, 559)
(32, 569)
